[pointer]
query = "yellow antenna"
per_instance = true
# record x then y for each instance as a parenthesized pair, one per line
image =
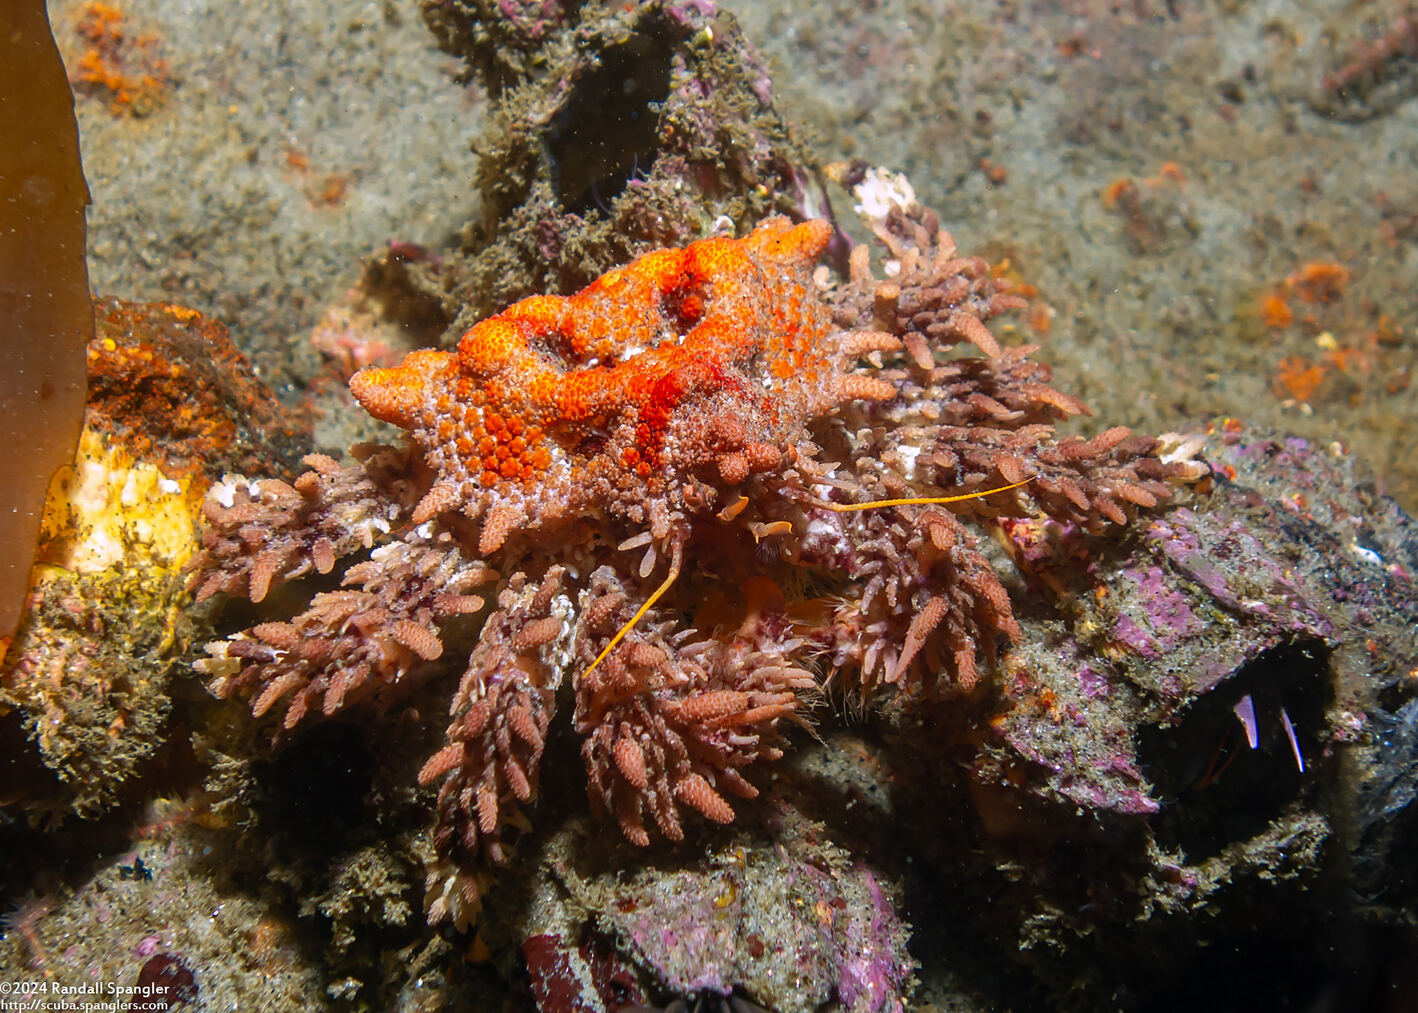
(650, 601)
(842, 508)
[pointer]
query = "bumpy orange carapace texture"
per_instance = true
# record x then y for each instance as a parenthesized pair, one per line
(707, 356)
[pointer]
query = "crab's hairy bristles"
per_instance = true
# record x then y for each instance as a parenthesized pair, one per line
(640, 612)
(842, 508)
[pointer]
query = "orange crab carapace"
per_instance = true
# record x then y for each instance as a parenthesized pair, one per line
(666, 381)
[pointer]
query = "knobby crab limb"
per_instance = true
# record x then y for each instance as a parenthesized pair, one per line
(491, 764)
(673, 722)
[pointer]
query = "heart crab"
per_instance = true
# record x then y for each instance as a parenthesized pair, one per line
(692, 487)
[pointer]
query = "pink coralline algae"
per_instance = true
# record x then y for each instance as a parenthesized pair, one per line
(776, 914)
(690, 494)
(1202, 598)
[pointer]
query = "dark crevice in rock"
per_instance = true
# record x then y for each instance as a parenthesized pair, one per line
(1217, 790)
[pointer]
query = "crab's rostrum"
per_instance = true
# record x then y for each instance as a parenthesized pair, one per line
(687, 433)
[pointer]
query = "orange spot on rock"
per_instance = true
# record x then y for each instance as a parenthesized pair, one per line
(1115, 191)
(997, 174)
(1298, 377)
(123, 67)
(1040, 318)
(333, 190)
(1275, 312)
(1318, 282)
